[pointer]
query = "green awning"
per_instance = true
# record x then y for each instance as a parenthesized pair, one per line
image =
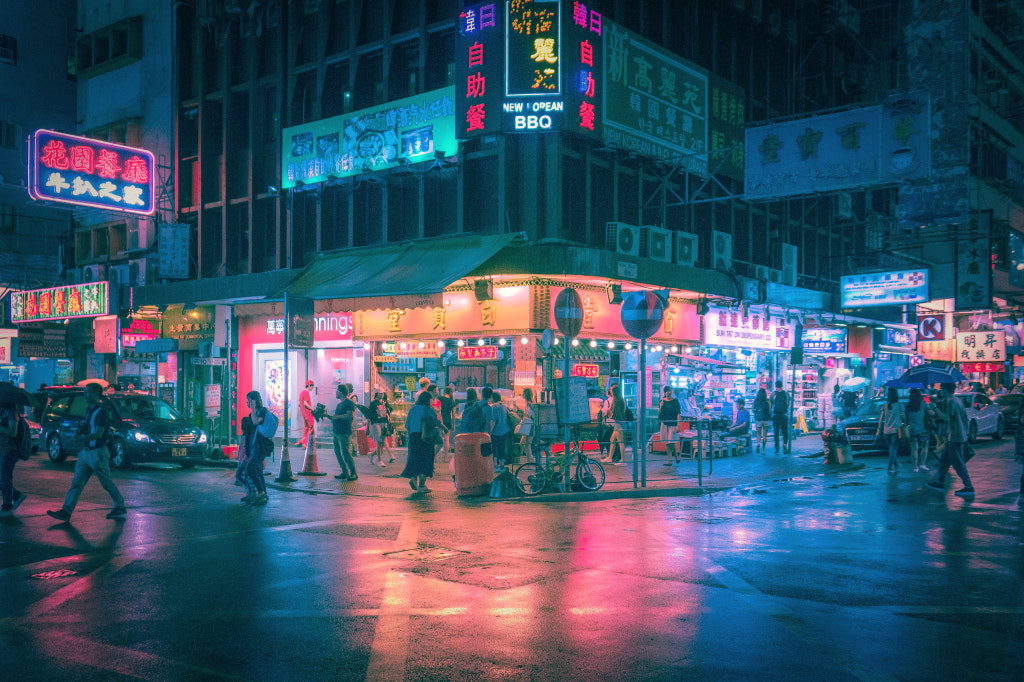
(580, 353)
(424, 267)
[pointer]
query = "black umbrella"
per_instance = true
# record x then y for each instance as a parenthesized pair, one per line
(13, 395)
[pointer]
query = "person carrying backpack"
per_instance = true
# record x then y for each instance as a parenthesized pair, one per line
(11, 448)
(780, 416)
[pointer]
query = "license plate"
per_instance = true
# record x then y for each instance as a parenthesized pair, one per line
(862, 439)
(178, 452)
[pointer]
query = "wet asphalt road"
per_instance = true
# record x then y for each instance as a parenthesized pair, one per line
(849, 575)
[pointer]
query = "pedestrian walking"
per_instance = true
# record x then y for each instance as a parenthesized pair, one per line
(604, 429)
(448, 418)
(953, 454)
(891, 423)
(762, 418)
(918, 423)
(344, 417)
(379, 420)
(474, 418)
(306, 407)
(668, 416)
(837, 404)
(780, 417)
(436, 405)
(615, 416)
(501, 434)
(261, 446)
(420, 425)
(849, 403)
(10, 422)
(94, 458)
(244, 446)
(390, 429)
(527, 425)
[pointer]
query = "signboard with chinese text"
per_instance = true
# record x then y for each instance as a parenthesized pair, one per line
(5, 350)
(974, 267)
(981, 346)
(78, 170)
(327, 327)
(896, 340)
(982, 366)
(105, 330)
(818, 340)
(173, 244)
(459, 313)
(415, 128)
(201, 324)
(60, 303)
(478, 353)
(656, 104)
(43, 341)
(139, 329)
(884, 288)
(479, 70)
(728, 327)
(586, 370)
(604, 320)
(726, 125)
(846, 150)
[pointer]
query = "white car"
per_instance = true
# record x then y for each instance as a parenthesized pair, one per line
(984, 417)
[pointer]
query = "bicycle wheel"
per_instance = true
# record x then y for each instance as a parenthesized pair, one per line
(530, 479)
(590, 474)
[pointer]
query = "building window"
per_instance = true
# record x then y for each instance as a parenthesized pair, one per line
(10, 134)
(109, 48)
(8, 218)
(8, 50)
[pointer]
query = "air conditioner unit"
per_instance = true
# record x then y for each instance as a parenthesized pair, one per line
(761, 272)
(623, 238)
(844, 206)
(721, 250)
(94, 273)
(140, 235)
(785, 258)
(659, 243)
(118, 274)
(774, 276)
(137, 272)
(686, 248)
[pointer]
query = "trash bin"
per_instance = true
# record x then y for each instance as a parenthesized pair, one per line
(474, 467)
(362, 442)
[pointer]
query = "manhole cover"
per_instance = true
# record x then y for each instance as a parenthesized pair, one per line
(425, 553)
(59, 573)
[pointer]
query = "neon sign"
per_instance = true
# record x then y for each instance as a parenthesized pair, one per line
(478, 353)
(139, 330)
(85, 172)
(59, 303)
(585, 370)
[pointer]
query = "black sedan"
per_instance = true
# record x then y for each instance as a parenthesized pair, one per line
(862, 429)
(143, 428)
(1010, 405)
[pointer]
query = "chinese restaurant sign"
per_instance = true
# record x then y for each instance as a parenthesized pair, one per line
(884, 288)
(529, 66)
(727, 327)
(478, 353)
(586, 370)
(656, 104)
(139, 330)
(839, 151)
(974, 267)
(981, 346)
(824, 340)
(85, 172)
(59, 303)
(415, 128)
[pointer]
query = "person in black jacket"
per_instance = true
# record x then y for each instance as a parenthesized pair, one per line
(780, 417)
(668, 416)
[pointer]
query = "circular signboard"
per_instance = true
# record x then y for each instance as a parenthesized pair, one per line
(569, 312)
(642, 314)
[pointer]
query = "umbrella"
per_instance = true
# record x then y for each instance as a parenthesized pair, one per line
(855, 384)
(902, 382)
(933, 373)
(102, 382)
(13, 395)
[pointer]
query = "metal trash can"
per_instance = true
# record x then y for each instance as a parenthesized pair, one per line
(474, 467)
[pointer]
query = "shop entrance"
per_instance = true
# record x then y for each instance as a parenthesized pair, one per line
(207, 404)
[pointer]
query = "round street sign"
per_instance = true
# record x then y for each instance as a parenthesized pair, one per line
(569, 312)
(642, 314)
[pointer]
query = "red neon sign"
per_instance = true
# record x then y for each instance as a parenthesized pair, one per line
(478, 353)
(585, 370)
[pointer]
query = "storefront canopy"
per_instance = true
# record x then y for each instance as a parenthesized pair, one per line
(417, 268)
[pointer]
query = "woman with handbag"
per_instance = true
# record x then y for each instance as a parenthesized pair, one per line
(259, 447)
(892, 423)
(614, 416)
(525, 428)
(424, 430)
(918, 421)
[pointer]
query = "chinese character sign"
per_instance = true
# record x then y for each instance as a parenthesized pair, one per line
(728, 327)
(479, 70)
(824, 340)
(478, 353)
(974, 267)
(533, 48)
(85, 172)
(884, 288)
(726, 123)
(587, 370)
(583, 68)
(981, 346)
(59, 303)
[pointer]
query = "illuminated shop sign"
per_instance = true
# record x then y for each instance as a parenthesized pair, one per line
(408, 349)
(825, 340)
(59, 303)
(896, 340)
(85, 172)
(529, 66)
(981, 346)
(586, 370)
(139, 330)
(418, 128)
(478, 353)
(326, 327)
(884, 288)
(728, 327)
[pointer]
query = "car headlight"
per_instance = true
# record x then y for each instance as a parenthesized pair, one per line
(141, 437)
(202, 437)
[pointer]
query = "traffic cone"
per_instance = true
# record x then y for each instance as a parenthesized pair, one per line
(286, 467)
(309, 464)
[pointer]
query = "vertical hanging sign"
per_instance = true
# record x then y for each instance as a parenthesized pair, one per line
(584, 71)
(479, 70)
(974, 266)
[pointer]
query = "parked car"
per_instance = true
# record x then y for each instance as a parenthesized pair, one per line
(1010, 404)
(143, 428)
(861, 429)
(984, 417)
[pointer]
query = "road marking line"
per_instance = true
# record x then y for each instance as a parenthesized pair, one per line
(77, 587)
(389, 652)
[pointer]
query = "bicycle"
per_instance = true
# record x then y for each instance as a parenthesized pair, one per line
(532, 478)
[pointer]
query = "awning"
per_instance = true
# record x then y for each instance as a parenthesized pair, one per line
(413, 269)
(580, 353)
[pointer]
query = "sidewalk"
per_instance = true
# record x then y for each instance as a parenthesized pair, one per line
(662, 481)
